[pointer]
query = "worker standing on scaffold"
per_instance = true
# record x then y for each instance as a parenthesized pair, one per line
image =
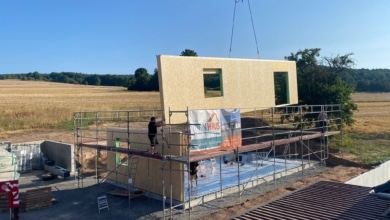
(194, 167)
(152, 133)
(322, 117)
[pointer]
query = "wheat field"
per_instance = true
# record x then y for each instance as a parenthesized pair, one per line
(37, 104)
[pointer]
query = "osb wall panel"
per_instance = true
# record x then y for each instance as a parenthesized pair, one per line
(149, 171)
(246, 83)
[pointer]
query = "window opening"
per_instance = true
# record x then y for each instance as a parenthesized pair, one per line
(120, 158)
(281, 88)
(212, 82)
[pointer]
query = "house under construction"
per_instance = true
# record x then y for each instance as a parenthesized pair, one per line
(220, 113)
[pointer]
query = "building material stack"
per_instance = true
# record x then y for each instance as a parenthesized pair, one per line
(8, 166)
(9, 181)
(36, 199)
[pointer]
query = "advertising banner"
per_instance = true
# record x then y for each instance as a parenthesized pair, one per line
(205, 129)
(231, 128)
(213, 129)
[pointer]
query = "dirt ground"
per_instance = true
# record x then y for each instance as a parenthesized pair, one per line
(340, 169)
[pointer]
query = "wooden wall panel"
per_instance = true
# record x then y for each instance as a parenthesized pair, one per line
(149, 171)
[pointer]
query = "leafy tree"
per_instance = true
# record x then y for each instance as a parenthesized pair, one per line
(65, 79)
(37, 76)
(153, 83)
(93, 80)
(97, 80)
(188, 53)
(340, 63)
(141, 79)
(322, 84)
(131, 82)
(34, 76)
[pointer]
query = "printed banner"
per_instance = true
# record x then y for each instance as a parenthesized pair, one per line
(231, 128)
(205, 129)
(212, 129)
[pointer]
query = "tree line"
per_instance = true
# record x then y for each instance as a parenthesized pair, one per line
(141, 80)
(128, 81)
(362, 80)
(366, 80)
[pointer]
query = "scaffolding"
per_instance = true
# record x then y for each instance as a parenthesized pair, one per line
(276, 142)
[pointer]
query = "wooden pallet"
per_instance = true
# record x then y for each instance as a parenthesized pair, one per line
(36, 199)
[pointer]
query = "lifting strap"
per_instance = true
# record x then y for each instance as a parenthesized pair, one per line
(253, 27)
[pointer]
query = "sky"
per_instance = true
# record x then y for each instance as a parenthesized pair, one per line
(120, 36)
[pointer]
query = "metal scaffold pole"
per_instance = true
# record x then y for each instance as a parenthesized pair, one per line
(300, 137)
(220, 175)
(96, 151)
(163, 187)
(170, 183)
(273, 143)
(129, 177)
(238, 176)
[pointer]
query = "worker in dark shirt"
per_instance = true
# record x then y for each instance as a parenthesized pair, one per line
(194, 166)
(152, 133)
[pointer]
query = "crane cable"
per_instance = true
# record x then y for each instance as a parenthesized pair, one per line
(254, 32)
(234, 16)
(253, 27)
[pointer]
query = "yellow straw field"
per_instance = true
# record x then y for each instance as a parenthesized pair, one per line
(36, 104)
(373, 115)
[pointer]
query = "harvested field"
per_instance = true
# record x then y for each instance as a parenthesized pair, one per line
(35, 105)
(372, 115)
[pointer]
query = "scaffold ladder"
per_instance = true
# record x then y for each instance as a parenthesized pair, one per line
(133, 167)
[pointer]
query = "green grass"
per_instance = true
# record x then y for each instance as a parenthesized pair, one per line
(67, 125)
(370, 149)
